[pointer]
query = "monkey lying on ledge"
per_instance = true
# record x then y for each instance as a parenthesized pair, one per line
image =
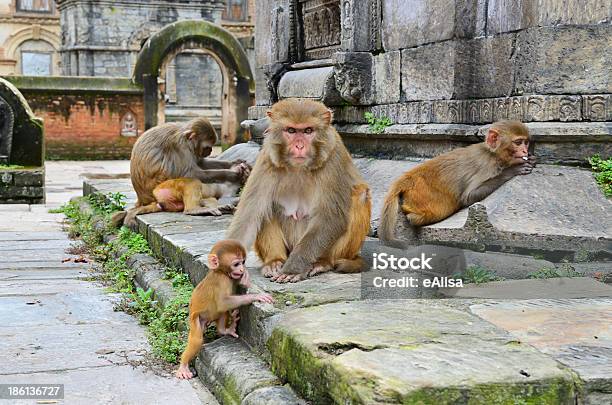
(436, 189)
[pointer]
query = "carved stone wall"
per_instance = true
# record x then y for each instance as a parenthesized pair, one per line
(464, 62)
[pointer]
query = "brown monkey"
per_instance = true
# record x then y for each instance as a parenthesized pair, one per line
(215, 296)
(189, 196)
(306, 208)
(174, 150)
(436, 189)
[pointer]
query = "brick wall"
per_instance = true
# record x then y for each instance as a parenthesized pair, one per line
(83, 118)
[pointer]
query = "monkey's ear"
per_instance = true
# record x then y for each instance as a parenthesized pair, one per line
(328, 116)
(492, 139)
(269, 114)
(213, 261)
(189, 134)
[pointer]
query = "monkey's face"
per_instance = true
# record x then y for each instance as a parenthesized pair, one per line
(236, 267)
(520, 147)
(202, 148)
(298, 138)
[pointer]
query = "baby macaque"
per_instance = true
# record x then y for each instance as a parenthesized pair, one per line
(215, 300)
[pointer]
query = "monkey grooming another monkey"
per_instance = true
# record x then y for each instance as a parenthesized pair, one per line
(189, 196)
(172, 151)
(436, 189)
(214, 298)
(306, 208)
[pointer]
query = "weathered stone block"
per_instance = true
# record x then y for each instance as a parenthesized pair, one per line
(310, 83)
(272, 27)
(360, 21)
(597, 107)
(29, 178)
(562, 60)
(484, 67)
(353, 75)
(514, 15)
(419, 67)
(407, 23)
(387, 76)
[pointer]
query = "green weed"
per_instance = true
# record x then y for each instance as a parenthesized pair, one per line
(548, 272)
(603, 173)
(477, 275)
(377, 125)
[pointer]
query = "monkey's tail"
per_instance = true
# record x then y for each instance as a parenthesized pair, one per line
(356, 265)
(118, 218)
(388, 217)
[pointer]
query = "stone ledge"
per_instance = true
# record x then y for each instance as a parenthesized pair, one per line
(332, 350)
(22, 186)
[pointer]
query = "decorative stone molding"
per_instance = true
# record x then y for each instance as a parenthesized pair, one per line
(321, 27)
(35, 32)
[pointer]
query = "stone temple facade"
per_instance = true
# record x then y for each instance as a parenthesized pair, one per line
(103, 38)
(441, 70)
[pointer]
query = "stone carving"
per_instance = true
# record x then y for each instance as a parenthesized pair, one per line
(597, 107)
(321, 27)
(276, 25)
(348, 83)
(7, 119)
(536, 110)
(347, 22)
(129, 125)
(569, 108)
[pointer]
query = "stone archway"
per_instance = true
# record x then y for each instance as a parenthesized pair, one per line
(238, 83)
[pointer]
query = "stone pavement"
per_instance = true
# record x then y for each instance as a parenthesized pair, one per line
(57, 327)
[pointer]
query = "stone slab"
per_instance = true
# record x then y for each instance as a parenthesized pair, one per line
(420, 64)
(552, 288)
(57, 245)
(232, 371)
(342, 353)
(564, 60)
(410, 23)
(577, 333)
(123, 384)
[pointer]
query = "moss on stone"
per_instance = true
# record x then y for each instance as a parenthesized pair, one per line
(68, 84)
(294, 363)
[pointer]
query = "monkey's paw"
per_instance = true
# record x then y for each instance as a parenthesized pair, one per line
(227, 208)
(272, 269)
(288, 278)
(183, 372)
(318, 269)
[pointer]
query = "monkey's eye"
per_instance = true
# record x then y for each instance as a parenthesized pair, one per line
(308, 130)
(518, 142)
(290, 130)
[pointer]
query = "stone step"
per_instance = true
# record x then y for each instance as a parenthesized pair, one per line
(333, 347)
(238, 376)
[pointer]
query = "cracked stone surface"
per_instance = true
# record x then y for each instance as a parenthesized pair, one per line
(408, 353)
(58, 328)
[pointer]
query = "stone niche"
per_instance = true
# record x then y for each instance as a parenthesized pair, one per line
(22, 176)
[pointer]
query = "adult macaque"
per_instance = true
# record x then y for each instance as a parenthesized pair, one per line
(306, 207)
(189, 196)
(174, 150)
(436, 189)
(214, 298)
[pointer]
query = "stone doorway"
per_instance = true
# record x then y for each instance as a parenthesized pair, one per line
(238, 83)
